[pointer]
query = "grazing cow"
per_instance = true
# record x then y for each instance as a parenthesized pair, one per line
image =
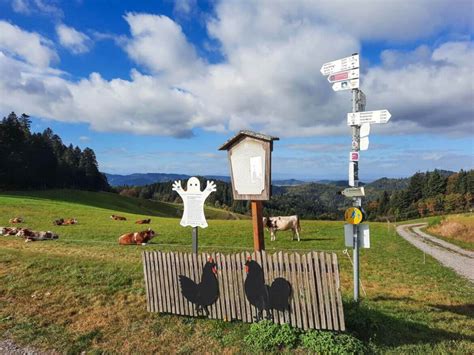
(283, 223)
(143, 221)
(118, 218)
(16, 220)
(137, 238)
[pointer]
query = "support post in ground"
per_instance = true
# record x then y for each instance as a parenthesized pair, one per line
(257, 222)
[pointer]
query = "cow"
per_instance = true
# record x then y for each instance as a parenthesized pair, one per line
(6, 231)
(16, 220)
(143, 221)
(283, 223)
(137, 238)
(25, 233)
(118, 218)
(41, 236)
(64, 222)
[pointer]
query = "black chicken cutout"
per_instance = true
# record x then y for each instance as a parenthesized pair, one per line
(265, 297)
(204, 293)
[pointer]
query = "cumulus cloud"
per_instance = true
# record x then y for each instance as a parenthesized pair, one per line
(268, 79)
(72, 39)
(29, 46)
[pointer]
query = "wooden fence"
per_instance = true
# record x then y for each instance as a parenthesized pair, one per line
(315, 301)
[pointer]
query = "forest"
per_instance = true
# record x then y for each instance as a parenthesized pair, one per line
(40, 160)
(423, 194)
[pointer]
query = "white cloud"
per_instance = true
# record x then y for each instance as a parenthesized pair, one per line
(29, 46)
(184, 7)
(159, 44)
(28, 7)
(72, 39)
(269, 79)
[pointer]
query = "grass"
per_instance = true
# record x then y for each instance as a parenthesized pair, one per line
(83, 292)
(457, 229)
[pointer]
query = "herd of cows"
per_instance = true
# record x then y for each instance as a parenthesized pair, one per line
(273, 224)
(29, 235)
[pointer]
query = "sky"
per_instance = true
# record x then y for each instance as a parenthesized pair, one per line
(158, 86)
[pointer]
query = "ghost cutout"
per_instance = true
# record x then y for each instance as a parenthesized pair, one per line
(193, 200)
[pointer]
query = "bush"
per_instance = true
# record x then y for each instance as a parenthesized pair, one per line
(435, 221)
(266, 336)
(324, 342)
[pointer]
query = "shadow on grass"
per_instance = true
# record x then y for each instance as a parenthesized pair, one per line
(386, 330)
(462, 309)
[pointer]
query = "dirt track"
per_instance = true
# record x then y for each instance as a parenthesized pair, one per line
(450, 255)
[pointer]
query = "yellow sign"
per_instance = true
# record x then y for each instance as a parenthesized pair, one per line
(353, 215)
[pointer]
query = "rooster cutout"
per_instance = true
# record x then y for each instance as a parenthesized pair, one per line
(263, 297)
(193, 200)
(201, 294)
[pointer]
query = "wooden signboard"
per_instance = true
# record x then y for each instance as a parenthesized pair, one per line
(303, 289)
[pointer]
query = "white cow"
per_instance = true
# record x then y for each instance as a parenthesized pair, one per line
(282, 223)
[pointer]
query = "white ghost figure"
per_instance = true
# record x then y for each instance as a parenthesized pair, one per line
(193, 200)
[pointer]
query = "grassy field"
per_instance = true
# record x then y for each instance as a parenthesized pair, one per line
(457, 229)
(84, 292)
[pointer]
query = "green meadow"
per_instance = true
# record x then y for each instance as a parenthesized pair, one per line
(84, 292)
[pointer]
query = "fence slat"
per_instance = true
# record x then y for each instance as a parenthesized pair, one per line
(332, 294)
(315, 302)
(340, 311)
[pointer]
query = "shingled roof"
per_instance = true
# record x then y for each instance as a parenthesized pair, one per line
(245, 133)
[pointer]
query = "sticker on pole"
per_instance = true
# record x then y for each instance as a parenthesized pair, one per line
(353, 215)
(354, 156)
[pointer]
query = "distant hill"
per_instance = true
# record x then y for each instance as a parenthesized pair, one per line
(387, 184)
(142, 179)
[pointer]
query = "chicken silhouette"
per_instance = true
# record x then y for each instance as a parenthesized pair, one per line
(265, 297)
(206, 292)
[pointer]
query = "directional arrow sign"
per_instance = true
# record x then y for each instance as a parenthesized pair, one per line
(344, 75)
(346, 85)
(357, 118)
(340, 65)
(353, 192)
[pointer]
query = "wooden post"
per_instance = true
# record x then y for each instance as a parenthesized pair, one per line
(195, 240)
(257, 220)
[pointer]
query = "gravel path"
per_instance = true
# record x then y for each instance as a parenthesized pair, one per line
(10, 348)
(450, 255)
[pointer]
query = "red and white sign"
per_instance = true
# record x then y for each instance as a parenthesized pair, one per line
(346, 85)
(344, 75)
(354, 156)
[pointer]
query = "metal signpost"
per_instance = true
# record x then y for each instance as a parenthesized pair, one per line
(344, 74)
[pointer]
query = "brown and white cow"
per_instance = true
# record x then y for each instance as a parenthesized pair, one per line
(38, 236)
(16, 220)
(283, 223)
(64, 222)
(143, 221)
(136, 238)
(118, 218)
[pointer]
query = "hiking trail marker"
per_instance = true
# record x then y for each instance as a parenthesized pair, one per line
(345, 75)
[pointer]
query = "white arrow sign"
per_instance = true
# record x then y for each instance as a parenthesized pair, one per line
(344, 75)
(340, 65)
(346, 85)
(353, 192)
(357, 118)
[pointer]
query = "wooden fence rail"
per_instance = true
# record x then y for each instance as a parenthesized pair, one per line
(315, 301)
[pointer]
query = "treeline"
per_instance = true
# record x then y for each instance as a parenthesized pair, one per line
(41, 160)
(427, 194)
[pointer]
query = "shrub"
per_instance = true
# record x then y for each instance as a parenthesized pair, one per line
(266, 336)
(324, 342)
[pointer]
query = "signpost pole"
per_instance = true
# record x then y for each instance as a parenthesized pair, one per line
(257, 221)
(195, 240)
(356, 200)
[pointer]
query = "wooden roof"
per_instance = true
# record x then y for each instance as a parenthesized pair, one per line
(245, 133)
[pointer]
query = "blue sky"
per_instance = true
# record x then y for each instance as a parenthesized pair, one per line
(158, 86)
